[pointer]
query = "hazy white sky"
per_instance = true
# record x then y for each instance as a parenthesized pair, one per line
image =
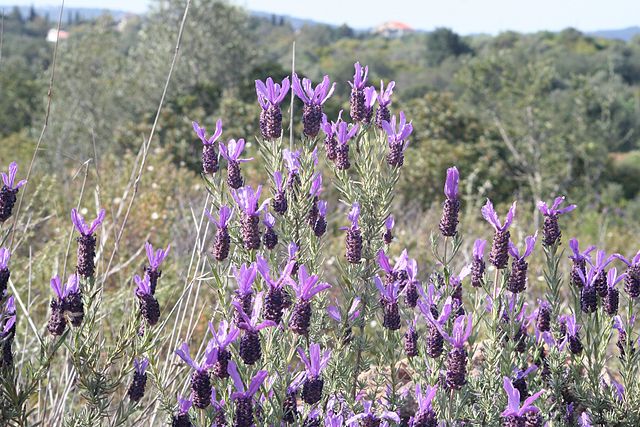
(464, 16)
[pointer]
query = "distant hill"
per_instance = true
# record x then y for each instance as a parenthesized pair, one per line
(69, 14)
(625, 34)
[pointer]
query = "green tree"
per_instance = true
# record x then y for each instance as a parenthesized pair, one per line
(443, 43)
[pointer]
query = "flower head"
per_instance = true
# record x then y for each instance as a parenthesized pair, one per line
(360, 76)
(553, 210)
(631, 261)
(5, 256)
(316, 362)
(223, 217)
(344, 132)
(398, 132)
(334, 312)
(307, 286)
(10, 178)
(390, 222)
(461, 332)
(354, 216)
(451, 184)
(62, 291)
(425, 397)
(247, 199)
(210, 357)
(140, 364)
(254, 385)
(81, 225)
(201, 132)
(426, 303)
(251, 323)
(530, 242)
(513, 397)
(384, 98)
(184, 405)
(225, 335)
(292, 160)
(489, 213)
(389, 292)
(245, 275)
(155, 259)
(143, 286)
(232, 150)
(308, 94)
(370, 97)
(577, 255)
(478, 248)
(285, 275)
(270, 93)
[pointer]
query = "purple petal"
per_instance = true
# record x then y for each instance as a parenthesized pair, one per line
(489, 214)
(232, 370)
(56, 286)
(334, 313)
(451, 184)
(256, 382)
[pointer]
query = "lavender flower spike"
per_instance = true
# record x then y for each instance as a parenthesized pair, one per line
(457, 358)
(517, 281)
(369, 418)
(149, 306)
(226, 334)
(250, 349)
(579, 262)
(313, 100)
(5, 273)
(306, 288)
(425, 416)
(612, 299)
(320, 226)
(9, 191)
(245, 275)
(247, 199)
(231, 152)
(279, 201)
(573, 335)
(632, 275)
(384, 100)
(551, 231)
(222, 239)
(354, 236)
(478, 264)
(389, 223)
(451, 208)
(200, 381)
(86, 241)
(515, 414)
(315, 363)
(499, 255)
(155, 259)
(344, 133)
(243, 414)
(270, 238)
(397, 135)
(209, 154)
(138, 385)
(181, 418)
(270, 95)
(57, 322)
(357, 100)
(389, 301)
(274, 301)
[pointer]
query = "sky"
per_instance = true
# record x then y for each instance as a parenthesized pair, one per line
(463, 16)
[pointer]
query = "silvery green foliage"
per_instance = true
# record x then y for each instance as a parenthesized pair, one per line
(312, 331)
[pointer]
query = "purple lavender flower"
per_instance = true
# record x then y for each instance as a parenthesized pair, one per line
(200, 381)
(209, 153)
(7, 331)
(344, 133)
(292, 161)
(455, 281)
(354, 236)
(231, 152)
(9, 191)
(624, 345)
(279, 201)
(274, 299)
(456, 375)
(313, 100)
(330, 130)
(270, 95)
(270, 238)
(612, 298)
(579, 262)
(250, 350)
(551, 231)
(181, 418)
(520, 380)
(222, 239)
(411, 339)
(543, 316)
(425, 416)
(451, 207)
(573, 335)
(320, 226)
(306, 288)
(357, 100)
(515, 414)
(499, 255)
(155, 259)
(138, 385)
(632, 275)
(86, 242)
(226, 334)
(5, 273)
(149, 306)
(247, 200)
(399, 271)
(435, 339)
(397, 135)
(370, 96)
(315, 364)
(517, 281)
(314, 194)
(72, 302)
(354, 312)
(243, 398)
(66, 294)
(389, 223)
(219, 419)
(245, 275)
(412, 284)
(368, 417)
(384, 100)
(600, 279)
(478, 265)
(389, 301)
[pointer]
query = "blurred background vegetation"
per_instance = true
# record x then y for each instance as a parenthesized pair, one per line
(524, 116)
